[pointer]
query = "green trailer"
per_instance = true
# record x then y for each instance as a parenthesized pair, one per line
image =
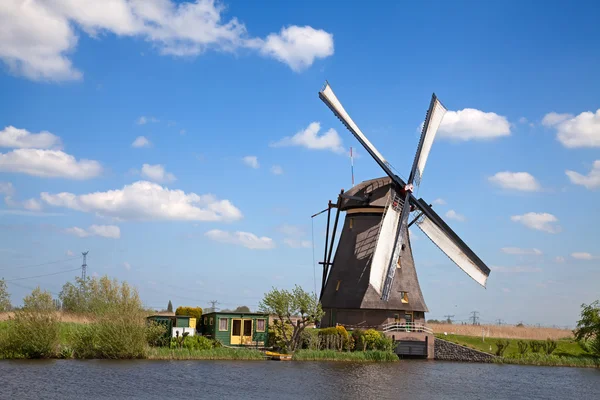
(235, 329)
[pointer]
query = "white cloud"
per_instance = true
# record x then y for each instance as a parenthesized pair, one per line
(516, 270)
(522, 181)
(559, 259)
(145, 200)
(144, 120)
(439, 202)
(310, 139)
(7, 188)
(38, 37)
(553, 118)
(32, 205)
(290, 230)
(276, 170)
(451, 214)
(21, 138)
(472, 124)
(140, 141)
(539, 221)
(48, 164)
(582, 256)
(298, 46)
(297, 244)
(251, 161)
(126, 265)
(69, 253)
(590, 181)
(157, 173)
(107, 231)
(246, 239)
(520, 251)
(582, 130)
(523, 120)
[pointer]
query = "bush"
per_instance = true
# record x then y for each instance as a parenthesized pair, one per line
(371, 338)
(198, 343)
(275, 337)
(34, 331)
(535, 346)
(501, 346)
(358, 336)
(195, 312)
(550, 346)
(157, 334)
(523, 346)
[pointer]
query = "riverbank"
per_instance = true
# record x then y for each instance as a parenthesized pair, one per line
(567, 353)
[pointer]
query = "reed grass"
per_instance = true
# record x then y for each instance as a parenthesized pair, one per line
(503, 331)
(332, 355)
(551, 360)
(220, 353)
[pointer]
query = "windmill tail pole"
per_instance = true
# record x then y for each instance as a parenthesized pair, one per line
(335, 223)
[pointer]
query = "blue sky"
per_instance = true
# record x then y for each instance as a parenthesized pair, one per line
(207, 92)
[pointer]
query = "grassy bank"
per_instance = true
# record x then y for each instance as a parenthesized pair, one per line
(567, 354)
(221, 353)
(502, 331)
(331, 355)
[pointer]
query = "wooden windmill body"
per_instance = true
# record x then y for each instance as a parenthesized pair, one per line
(371, 282)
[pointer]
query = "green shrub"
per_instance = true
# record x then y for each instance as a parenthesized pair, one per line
(501, 346)
(194, 312)
(523, 346)
(535, 346)
(385, 344)
(550, 346)
(198, 343)
(275, 337)
(157, 334)
(358, 336)
(371, 338)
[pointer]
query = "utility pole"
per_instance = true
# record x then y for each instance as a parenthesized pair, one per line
(499, 321)
(213, 304)
(475, 317)
(84, 265)
(449, 318)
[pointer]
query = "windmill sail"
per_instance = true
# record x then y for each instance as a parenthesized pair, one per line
(384, 248)
(434, 117)
(436, 229)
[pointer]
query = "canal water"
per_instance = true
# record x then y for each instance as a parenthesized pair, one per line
(100, 379)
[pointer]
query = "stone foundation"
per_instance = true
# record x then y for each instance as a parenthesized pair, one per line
(449, 351)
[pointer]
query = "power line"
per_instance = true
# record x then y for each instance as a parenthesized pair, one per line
(84, 265)
(40, 276)
(39, 265)
(449, 318)
(475, 317)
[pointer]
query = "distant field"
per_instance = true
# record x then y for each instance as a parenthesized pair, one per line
(503, 331)
(566, 347)
(64, 317)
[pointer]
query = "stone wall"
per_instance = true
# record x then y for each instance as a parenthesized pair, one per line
(449, 351)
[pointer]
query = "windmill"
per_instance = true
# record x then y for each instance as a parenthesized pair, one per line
(372, 277)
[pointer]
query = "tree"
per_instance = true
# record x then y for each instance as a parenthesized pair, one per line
(39, 301)
(4, 297)
(587, 332)
(287, 305)
(170, 306)
(242, 309)
(195, 312)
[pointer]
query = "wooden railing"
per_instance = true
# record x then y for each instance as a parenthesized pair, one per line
(406, 327)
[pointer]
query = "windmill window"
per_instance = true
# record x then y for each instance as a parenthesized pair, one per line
(211, 320)
(404, 297)
(204, 320)
(337, 287)
(222, 324)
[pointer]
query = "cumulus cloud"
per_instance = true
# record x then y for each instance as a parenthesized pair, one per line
(572, 131)
(251, 161)
(539, 221)
(107, 231)
(144, 120)
(140, 141)
(38, 37)
(145, 200)
(310, 139)
(48, 164)
(559, 259)
(439, 202)
(472, 124)
(157, 173)
(522, 181)
(7, 188)
(23, 139)
(32, 205)
(590, 181)
(246, 239)
(290, 230)
(582, 256)
(520, 251)
(126, 265)
(298, 46)
(516, 270)
(276, 170)
(451, 214)
(297, 244)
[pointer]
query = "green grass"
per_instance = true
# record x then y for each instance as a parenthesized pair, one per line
(331, 355)
(551, 360)
(221, 353)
